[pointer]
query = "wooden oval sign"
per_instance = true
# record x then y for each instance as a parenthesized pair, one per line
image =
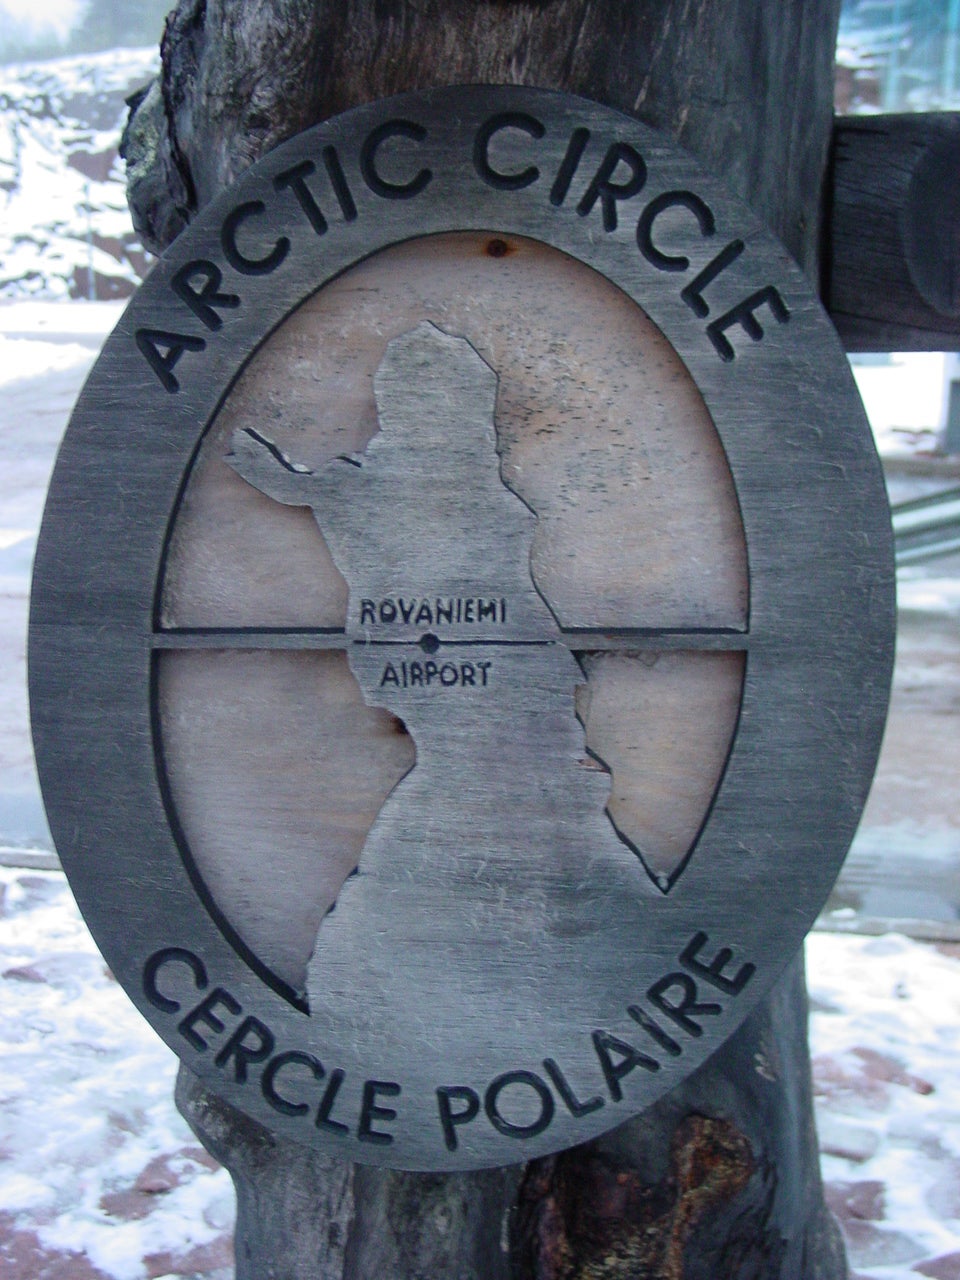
(461, 628)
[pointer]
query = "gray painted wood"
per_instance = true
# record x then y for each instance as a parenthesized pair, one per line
(820, 597)
(892, 246)
(522, 866)
(751, 93)
(818, 632)
(276, 826)
(747, 90)
(587, 427)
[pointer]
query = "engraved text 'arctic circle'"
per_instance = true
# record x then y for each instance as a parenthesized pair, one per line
(461, 629)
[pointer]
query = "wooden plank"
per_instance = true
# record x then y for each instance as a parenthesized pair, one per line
(632, 409)
(407, 512)
(892, 235)
(588, 429)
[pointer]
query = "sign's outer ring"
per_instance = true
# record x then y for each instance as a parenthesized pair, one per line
(819, 642)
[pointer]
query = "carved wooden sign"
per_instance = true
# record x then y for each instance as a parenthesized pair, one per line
(461, 629)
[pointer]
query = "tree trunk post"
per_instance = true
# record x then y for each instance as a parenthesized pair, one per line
(720, 1178)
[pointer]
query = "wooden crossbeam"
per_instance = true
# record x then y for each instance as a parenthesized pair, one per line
(891, 257)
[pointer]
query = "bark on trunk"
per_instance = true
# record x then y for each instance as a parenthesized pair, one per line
(720, 1180)
(747, 87)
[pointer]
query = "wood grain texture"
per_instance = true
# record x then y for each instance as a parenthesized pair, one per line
(303, 1214)
(891, 247)
(279, 766)
(892, 240)
(662, 723)
(748, 89)
(737, 84)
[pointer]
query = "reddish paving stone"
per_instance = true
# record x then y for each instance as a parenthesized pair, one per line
(23, 1257)
(201, 1156)
(946, 1267)
(833, 1079)
(24, 973)
(200, 1260)
(868, 1079)
(158, 1178)
(862, 1200)
(871, 1246)
(129, 1205)
(880, 1066)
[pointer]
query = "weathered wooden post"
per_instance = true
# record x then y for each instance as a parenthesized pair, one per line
(694, 563)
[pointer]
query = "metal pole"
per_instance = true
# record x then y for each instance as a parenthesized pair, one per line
(951, 405)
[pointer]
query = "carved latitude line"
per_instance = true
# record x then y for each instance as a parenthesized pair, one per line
(625, 640)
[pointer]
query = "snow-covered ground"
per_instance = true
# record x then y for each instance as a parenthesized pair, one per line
(62, 206)
(902, 397)
(100, 1176)
(885, 1032)
(45, 352)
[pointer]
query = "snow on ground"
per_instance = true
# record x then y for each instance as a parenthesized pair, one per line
(921, 589)
(902, 396)
(46, 350)
(62, 205)
(99, 1177)
(885, 1031)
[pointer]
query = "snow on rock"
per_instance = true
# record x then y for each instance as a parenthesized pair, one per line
(101, 1178)
(62, 203)
(885, 1039)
